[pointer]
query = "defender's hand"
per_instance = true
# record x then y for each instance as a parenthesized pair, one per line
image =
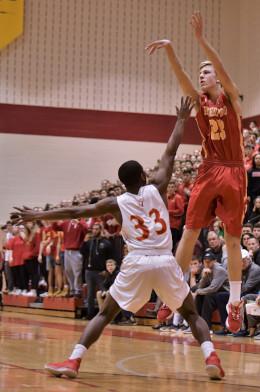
(185, 109)
(23, 215)
(153, 46)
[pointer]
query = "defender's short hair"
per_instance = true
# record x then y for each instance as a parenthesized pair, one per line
(130, 172)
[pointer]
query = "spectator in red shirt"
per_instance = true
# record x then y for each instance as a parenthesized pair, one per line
(74, 233)
(51, 246)
(30, 256)
(16, 260)
(176, 211)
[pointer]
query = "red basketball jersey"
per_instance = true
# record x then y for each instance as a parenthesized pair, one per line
(220, 128)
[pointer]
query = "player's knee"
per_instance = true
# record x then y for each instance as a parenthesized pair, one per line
(190, 234)
(108, 313)
(232, 241)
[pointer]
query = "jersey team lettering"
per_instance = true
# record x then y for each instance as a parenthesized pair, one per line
(144, 229)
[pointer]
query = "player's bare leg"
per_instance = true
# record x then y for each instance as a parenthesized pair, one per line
(90, 334)
(235, 306)
(200, 331)
(186, 247)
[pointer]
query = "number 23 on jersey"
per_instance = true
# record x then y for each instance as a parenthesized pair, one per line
(140, 225)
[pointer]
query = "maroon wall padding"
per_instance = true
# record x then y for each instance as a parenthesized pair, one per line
(38, 120)
(247, 121)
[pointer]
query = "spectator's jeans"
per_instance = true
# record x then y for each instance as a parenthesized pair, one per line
(32, 272)
(94, 282)
(206, 304)
(73, 263)
(19, 280)
(8, 276)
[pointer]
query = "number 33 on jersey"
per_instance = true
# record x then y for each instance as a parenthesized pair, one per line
(145, 220)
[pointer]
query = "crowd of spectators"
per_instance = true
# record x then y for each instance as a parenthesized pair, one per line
(58, 258)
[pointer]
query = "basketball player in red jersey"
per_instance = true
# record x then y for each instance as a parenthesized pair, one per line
(143, 214)
(220, 187)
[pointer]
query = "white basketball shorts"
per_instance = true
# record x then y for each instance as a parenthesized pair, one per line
(139, 275)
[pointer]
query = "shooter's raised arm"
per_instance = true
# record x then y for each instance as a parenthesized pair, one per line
(181, 75)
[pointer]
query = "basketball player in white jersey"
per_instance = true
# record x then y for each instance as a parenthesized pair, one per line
(149, 265)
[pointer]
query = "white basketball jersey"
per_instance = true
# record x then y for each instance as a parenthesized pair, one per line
(145, 223)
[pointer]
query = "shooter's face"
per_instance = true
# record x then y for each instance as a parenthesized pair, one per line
(207, 78)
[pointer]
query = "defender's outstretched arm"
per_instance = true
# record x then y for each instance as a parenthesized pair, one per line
(164, 173)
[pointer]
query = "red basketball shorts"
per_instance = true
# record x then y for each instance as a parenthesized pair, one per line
(218, 191)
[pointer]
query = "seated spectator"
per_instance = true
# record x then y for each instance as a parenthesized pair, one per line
(213, 284)
(253, 316)
(254, 249)
(218, 228)
(253, 187)
(244, 239)
(111, 273)
(249, 150)
(215, 245)
(247, 228)
(250, 275)
(193, 276)
(254, 217)
(256, 231)
(250, 284)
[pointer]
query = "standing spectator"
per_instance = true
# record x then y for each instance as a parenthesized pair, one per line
(95, 252)
(112, 230)
(176, 211)
(16, 245)
(7, 269)
(31, 259)
(51, 248)
(185, 188)
(74, 232)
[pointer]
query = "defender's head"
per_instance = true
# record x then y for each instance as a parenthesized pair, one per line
(207, 76)
(131, 173)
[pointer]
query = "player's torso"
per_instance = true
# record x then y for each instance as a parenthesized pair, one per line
(145, 220)
(220, 127)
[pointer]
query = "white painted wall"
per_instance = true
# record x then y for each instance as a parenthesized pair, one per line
(40, 169)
